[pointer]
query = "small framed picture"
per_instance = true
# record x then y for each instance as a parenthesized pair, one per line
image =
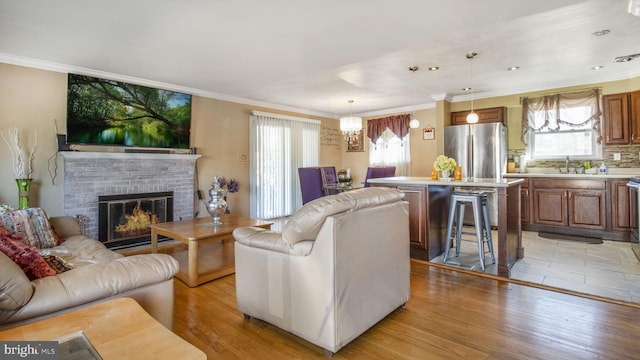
(356, 143)
(428, 133)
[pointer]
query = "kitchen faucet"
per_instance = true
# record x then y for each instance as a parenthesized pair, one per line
(566, 165)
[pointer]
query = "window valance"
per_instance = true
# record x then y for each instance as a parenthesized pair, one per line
(548, 112)
(398, 124)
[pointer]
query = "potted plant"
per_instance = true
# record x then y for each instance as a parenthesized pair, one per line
(445, 165)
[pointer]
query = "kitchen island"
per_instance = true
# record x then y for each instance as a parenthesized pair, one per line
(429, 208)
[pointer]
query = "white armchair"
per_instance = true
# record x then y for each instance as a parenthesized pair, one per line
(340, 265)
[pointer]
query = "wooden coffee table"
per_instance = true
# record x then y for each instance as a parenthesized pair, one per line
(117, 329)
(196, 232)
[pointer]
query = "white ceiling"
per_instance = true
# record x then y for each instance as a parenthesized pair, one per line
(313, 56)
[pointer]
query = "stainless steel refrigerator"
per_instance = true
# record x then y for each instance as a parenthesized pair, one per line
(481, 151)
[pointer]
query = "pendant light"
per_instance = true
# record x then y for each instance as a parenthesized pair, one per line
(350, 125)
(472, 118)
(414, 123)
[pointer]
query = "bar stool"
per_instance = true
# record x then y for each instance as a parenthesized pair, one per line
(478, 202)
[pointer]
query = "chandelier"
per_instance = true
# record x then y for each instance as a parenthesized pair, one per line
(350, 125)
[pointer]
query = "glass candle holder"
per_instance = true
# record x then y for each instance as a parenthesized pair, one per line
(457, 173)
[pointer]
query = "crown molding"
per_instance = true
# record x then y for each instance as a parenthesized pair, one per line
(402, 109)
(440, 97)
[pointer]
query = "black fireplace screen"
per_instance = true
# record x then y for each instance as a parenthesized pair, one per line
(124, 220)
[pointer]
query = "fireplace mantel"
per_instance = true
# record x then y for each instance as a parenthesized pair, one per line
(127, 155)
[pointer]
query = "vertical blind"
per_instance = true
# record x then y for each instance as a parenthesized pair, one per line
(280, 144)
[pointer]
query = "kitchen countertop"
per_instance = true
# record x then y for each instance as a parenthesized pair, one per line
(569, 176)
(476, 182)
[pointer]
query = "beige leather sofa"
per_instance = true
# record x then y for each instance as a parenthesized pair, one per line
(340, 265)
(100, 274)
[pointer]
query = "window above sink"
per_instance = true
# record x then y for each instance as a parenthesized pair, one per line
(563, 125)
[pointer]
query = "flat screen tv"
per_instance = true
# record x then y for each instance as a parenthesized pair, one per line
(108, 112)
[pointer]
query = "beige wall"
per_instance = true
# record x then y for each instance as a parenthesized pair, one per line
(424, 152)
(32, 99)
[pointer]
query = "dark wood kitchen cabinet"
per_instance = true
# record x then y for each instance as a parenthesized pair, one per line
(622, 216)
(587, 209)
(418, 235)
(550, 207)
(581, 206)
(489, 115)
(621, 114)
(525, 202)
(428, 209)
(633, 214)
(615, 110)
(634, 116)
(578, 204)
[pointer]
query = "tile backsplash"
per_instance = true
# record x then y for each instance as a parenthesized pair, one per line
(629, 158)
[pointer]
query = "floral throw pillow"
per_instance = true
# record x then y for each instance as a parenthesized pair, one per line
(32, 225)
(28, 258)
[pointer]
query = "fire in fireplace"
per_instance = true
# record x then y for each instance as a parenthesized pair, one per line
(124, 219)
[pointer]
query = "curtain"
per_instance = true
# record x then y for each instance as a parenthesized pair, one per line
(398, 124)
(279, 145)
(390, 145)
(548, 113)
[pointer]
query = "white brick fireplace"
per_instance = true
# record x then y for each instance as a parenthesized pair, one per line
(88, 175)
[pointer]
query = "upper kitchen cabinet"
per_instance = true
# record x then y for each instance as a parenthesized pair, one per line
(496, 114)
(621, 118)
(634, 116)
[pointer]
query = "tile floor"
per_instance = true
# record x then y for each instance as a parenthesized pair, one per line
(610, 269)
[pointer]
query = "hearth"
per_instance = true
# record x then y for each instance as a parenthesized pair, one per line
(124, 219)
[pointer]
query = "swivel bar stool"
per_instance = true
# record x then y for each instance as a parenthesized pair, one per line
(478, 202)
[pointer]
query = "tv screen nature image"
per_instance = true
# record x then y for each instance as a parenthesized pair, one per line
(108, 112)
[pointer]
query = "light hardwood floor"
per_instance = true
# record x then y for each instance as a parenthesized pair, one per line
(452, 314)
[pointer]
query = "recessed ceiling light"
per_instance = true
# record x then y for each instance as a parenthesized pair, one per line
(597, 67)
(513, 68)
(626, 58)
(434, 68)
(634, 7)
(466, 89)
(601, 32)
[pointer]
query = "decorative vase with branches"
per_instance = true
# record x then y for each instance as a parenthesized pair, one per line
(232, 187)
(22, 163)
